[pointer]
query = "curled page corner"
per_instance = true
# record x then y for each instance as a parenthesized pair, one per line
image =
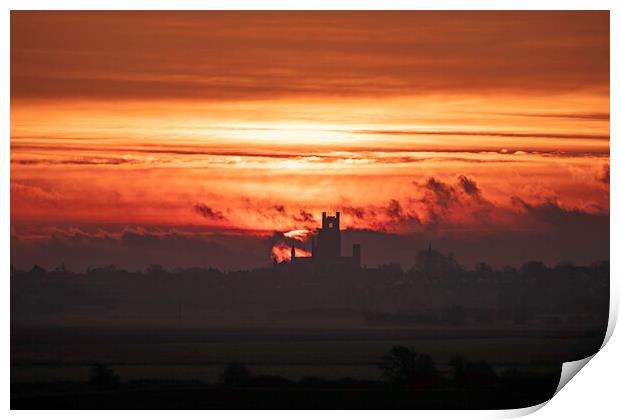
(519, 412)
(569, 370)
(613, 317)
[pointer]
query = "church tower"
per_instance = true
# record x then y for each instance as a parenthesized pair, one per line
(326, 247)
(328, 241)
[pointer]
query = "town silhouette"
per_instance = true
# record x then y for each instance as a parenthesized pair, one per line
(426, 336)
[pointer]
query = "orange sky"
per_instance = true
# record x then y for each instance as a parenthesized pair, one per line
(258, 121)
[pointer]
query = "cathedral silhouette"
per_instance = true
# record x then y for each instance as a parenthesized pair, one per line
(326, 247)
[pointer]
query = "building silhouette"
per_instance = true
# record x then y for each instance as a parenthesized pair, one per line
(326, 246)
(433, 263)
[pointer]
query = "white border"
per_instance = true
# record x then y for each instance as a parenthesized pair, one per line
(593, 391)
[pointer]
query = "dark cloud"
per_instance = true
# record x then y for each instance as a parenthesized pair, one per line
(551, 215)
(469, 185)
(144, 148)
(543, 231)
(394, 210)
(279, 211)
(81, 161)
(562, 236)
(136, 249)
(397, 216)
(442, 193)
(303, 216)
(437, 205)
(208, 212)
(353, 151)
(357, 212)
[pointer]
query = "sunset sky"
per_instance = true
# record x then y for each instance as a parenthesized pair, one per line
(208, 138)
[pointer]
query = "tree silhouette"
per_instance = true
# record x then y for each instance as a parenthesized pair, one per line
(235, 375)
(399, 365)
(457, 363)
(426, 374)
(405, 367)
(103, 377)
(37, 269)
(480, 374)
(472, 374)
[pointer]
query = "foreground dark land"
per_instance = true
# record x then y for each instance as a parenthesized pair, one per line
(434, 336)
(79, 368)
(271, 392)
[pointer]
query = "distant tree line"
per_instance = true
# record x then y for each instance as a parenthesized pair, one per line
(436, 290)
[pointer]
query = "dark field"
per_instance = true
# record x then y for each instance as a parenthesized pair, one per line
(183, 368)
(67, 354)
